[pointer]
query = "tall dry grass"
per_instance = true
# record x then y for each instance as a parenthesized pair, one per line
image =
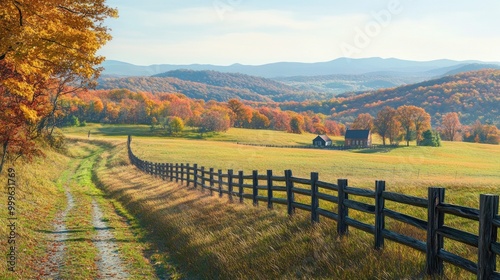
(38, 196)
(208, 237)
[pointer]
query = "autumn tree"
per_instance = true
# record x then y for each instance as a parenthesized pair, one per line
(386, 124)
(45, 43)
(334, 128)
(482, 133)
(174, 125)
(297, 124)
(240, 112)
(450, 126)
(259, 121)
(414, 120)
(363, 121)
(214, 121)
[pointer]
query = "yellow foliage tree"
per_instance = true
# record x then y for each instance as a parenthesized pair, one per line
(44, 43)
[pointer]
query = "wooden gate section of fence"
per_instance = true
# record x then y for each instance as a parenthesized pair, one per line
(271, 189)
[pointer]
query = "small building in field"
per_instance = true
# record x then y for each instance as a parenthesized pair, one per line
(358, 138)
(322, 141)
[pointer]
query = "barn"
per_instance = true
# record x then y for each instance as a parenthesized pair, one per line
(358, 138)
(322, 141)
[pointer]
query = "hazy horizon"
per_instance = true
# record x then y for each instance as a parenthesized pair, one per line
(224, 32)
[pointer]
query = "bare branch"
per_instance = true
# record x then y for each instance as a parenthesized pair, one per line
(17, 4)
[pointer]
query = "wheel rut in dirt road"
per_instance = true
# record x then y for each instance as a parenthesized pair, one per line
(109, 263)
(56, 249)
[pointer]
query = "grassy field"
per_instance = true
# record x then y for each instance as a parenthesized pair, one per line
(209, 238)
(465, 169)
(455, 164)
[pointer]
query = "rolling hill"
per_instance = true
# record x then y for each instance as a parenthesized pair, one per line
(212, 85)
(474, 95)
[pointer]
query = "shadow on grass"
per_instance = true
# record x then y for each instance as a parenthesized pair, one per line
(377, 150)
(135, 130)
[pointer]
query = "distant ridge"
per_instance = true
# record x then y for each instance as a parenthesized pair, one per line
(474, 95)
(347, 66)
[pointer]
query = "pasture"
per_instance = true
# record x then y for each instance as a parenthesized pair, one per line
(455, 164)
(465, 169)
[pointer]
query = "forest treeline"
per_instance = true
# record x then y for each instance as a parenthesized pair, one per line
(172, 111)
(474, 95)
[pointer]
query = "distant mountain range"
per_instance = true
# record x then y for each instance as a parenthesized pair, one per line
(319, 80)
(340, 66)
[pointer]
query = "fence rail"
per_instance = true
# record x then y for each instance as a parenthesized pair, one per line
(340, 193)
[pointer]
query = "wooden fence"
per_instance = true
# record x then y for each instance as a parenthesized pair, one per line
(340, 193)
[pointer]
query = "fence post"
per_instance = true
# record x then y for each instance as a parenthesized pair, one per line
(155, 167)
(212, 183)
(314, 197)
(230, 184)
(290, 197)
(220, 182)
(379, 214)
(195, 175)
(343, 212)
(176, 172)
(488, 210)
(203, 178)
(435, 220)
(188, 174)
(240, 185)
(269, 189)
(183, 170)
(255, 184)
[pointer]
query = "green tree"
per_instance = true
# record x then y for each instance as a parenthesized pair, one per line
(430, 138)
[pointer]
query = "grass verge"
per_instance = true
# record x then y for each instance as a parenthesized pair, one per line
(38, 196)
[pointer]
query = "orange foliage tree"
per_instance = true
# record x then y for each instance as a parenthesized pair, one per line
(450, 126)
(386, 124)
(363, 121)
(414, 120)
(44, 43)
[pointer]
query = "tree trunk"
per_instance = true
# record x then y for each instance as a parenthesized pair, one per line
(4, 154)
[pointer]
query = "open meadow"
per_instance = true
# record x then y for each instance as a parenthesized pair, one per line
(185, 221)
(454, 165)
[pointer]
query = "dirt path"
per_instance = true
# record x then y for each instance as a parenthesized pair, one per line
(109, 264)
(57, 247)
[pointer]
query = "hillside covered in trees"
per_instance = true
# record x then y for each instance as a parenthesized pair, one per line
(212, 85)
(474, 95)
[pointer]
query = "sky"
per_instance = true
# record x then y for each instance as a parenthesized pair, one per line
(255, 32)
